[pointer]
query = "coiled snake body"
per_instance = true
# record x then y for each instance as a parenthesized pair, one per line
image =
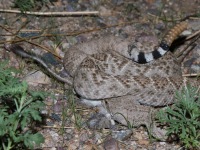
(112, 74)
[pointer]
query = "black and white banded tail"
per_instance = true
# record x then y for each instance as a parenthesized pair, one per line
(142, 57)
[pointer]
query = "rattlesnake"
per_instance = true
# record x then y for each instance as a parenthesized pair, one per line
(115, 71)
(106, 70)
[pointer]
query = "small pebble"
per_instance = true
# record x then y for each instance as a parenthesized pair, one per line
(143, 142)
(111, 144)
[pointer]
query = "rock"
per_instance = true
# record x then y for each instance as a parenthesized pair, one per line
(98, 121)
(104, 11)
(111, 144)
(58, 106)
(55, 117)
(122, 135)
(84, 137)
(72, 1)
(143, 142)
(37, 77)
(117, 2)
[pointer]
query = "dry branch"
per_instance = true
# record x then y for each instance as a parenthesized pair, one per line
(191, 75)
(79, 13)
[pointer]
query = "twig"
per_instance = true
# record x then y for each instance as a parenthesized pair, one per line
(194, 16)
(187, 49)
(193, 35)
(56, 127)
(170, 20)
(65, 34)
(38, 45)
(79, 13)
(191, 75)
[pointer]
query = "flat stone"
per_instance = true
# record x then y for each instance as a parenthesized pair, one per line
(37, 77)
(122, 135)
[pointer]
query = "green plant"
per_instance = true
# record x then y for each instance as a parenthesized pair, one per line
(27, 5)
(183, 118)
(77, 117)
(19, 109)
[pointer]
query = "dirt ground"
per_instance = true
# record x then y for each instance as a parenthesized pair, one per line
(65, 125)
